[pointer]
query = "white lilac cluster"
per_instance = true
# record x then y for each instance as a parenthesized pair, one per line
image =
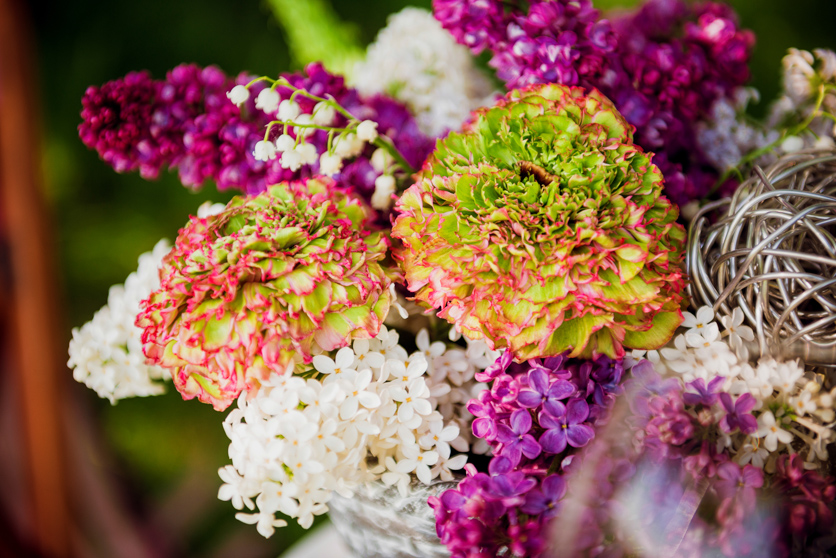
(794, 413)
(419, 63)
(367, 412)
(728, 135)
(806, 75)
(106, 352)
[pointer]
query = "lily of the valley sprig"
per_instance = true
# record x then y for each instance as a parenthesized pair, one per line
(343, 141)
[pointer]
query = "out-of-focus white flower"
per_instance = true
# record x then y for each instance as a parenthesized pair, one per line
(367, 130)
(418, 62)
(329, 165)
(792, 144)
(323, 114)
(289, 111)
(305, 130)
(757, 455)
(825, 143)
(106, 352)
(348, 145)
(381, 160)
(285, 142)
(291, 160)
(238, 95)
(307, 153)
(208, 208)
(266, 523)
(798, 72)
(803, 403)
(268, 101)
(393, 476)
(827, 63)
(784, 375)
(264, 150)
(384, 188)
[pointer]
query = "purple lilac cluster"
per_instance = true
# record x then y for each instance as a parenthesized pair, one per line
(186, 122)
(675, 59)
(686, 429)
(663, 65)
(559, 41)
(535, 417)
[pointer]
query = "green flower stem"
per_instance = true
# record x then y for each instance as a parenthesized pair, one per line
(385, 143)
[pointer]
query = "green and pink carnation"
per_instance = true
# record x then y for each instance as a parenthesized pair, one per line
(541, 227)
(265, 285)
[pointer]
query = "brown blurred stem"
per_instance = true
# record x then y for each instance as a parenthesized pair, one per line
(540, 174)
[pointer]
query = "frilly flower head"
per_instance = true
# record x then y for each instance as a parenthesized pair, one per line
(542, 228)
(268, 283)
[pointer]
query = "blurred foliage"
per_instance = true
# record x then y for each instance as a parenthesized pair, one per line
(103, 220)
(337, 45)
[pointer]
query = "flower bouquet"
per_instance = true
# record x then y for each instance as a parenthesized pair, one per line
(482, 297)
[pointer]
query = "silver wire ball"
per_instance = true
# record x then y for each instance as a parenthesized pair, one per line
(773, 255)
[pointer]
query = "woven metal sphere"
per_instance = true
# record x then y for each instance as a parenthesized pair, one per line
(772, 253)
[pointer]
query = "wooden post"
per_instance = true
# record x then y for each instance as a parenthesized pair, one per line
(35, 316)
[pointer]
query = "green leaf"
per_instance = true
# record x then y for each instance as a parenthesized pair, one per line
(315, 33)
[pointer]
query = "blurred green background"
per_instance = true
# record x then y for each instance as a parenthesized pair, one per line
(103, 220)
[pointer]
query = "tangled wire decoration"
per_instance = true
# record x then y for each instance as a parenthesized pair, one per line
(773, 255)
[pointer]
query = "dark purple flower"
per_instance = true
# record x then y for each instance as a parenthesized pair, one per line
(116, 119)
(607, 375)
(566, 427)
(545, 499)
(526, 539)
(737, 413)
(187, 123)
(705, 395)
(543, 392)
(515, 440)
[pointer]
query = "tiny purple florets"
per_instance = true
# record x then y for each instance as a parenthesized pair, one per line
(535, 415)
